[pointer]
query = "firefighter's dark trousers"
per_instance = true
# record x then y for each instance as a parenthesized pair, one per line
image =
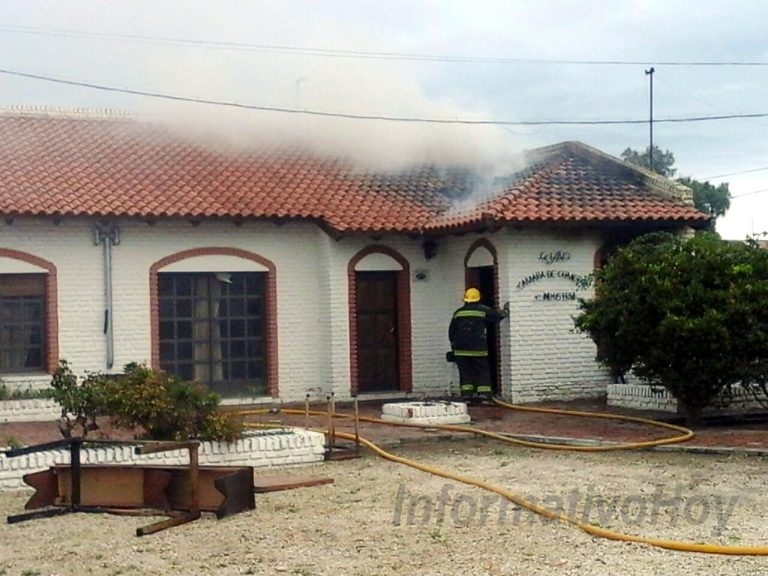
(474, 376)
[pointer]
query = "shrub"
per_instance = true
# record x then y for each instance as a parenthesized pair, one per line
(164, 406)
(78, 400)
(688, 314)
(26, 394)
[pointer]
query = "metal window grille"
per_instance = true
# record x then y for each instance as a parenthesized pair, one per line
(212, 330)
(22, 322)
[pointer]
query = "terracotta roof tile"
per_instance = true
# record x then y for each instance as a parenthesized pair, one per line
(84, 166)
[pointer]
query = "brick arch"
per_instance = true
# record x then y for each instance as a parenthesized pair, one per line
(271, 304)
(405, 363)
(51, 304)
(469, 279)
(603, 254)
(488, 245)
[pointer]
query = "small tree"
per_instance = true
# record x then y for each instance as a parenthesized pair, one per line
(688, 314)
(78, 400)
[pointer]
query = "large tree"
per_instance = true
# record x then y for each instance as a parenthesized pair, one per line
(714, 200)
(687, 314)
(710, 199)
(663, 162)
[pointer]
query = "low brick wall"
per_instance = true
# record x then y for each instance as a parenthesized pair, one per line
(645, 397)
(428, 413)
(641, 397)
(29, 411)
(260, 449)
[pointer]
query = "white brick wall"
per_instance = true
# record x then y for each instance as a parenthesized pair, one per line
(31, 410)
(645, 397)
(548, 359)
(262, 449)
(641, 397)
(541, 356)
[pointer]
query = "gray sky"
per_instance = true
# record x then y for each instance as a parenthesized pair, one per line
(631, 31)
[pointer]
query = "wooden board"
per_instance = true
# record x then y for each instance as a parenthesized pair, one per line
(274, 483)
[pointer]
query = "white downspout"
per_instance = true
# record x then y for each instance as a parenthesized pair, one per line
(107, 238)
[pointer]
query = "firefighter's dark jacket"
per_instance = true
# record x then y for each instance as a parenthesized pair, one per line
(468, 329)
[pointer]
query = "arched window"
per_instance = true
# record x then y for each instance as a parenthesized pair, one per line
(214, 320)
(28, 313)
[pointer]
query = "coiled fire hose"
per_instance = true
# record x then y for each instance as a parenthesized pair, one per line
(684, 435)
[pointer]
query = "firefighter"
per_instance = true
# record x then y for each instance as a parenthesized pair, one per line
(468, 334)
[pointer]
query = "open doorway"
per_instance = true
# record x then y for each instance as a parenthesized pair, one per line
(484, 279)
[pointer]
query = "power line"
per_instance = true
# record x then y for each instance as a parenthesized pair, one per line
(715, 177)
(762, 190)
(362, 54)
(350, 116)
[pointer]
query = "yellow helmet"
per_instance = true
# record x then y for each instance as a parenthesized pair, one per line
(472, 295)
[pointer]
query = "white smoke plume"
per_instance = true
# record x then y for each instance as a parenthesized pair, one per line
(332, 85)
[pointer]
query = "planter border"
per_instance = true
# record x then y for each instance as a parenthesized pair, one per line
(260, 449)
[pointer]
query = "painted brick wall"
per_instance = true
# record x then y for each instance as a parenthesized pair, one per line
(30, 410)
(430, 313)
(541, 356)
(69, 246)
(293, 248)
(548, 360)
(645, 397)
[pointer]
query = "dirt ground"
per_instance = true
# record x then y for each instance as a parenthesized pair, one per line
(382, 518)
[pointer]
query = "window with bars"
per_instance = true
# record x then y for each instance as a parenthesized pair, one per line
(212, 330)
(22, 322)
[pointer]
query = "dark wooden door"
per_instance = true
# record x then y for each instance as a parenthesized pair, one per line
(377, 362)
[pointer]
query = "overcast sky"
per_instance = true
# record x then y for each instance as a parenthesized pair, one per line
(224, 57)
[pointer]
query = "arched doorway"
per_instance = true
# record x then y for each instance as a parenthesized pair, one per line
(379, 321)
(481, 272)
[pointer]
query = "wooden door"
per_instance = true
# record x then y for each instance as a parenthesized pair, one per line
(377, 337)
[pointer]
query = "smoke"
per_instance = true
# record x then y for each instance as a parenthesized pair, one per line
(332, 85)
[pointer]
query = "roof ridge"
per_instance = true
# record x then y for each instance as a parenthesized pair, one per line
(66, 112)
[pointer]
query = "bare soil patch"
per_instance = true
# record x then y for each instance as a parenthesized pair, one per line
(373, 520)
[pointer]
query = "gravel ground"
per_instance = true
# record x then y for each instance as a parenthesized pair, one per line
(373, 520)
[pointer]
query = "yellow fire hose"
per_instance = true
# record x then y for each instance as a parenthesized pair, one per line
(685, 434)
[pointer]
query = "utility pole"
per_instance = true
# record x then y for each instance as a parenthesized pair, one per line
(299, 81)
(650, 121)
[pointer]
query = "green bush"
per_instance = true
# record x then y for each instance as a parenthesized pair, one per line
(164, 406)
(688, 314)
(79, 401)
(26, 394)
(159, 405)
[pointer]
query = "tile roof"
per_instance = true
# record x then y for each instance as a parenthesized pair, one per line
(82, 165)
